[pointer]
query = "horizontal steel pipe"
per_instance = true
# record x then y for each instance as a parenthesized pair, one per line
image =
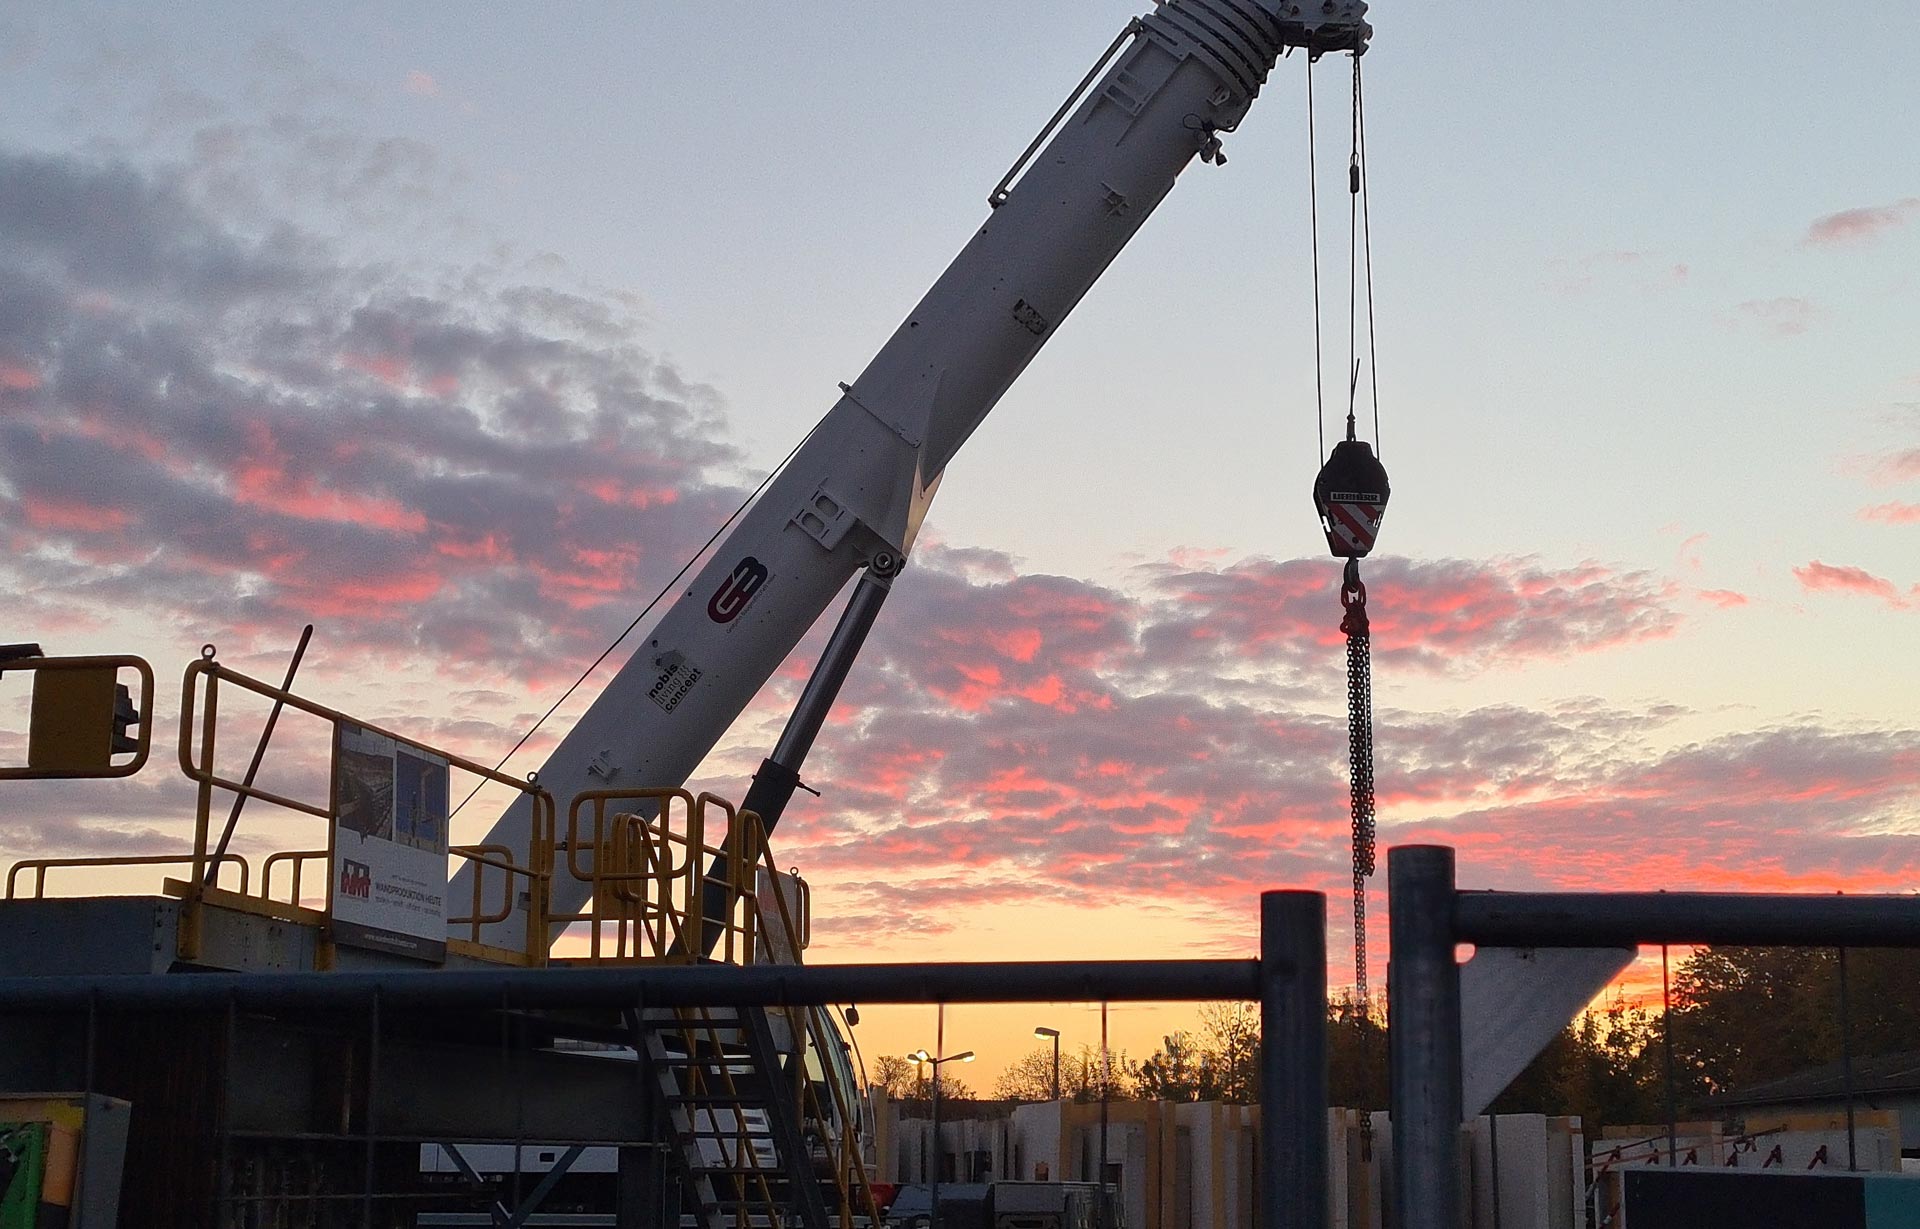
(1595, 919)
(663, 986)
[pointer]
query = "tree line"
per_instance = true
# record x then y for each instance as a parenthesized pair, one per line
(1739, 1017)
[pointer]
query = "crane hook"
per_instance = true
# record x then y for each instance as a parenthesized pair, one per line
(1350, 494)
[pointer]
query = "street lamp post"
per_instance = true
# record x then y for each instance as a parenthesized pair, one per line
(1043, 1031)
(933, 1197)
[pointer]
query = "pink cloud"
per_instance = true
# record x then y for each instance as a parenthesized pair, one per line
(1893, 514)
(1783, 317)
(390, 370)
(73, 514)
(1817, 577)
(421, 84)
(1726, 599)
(1440, 614)
(1569, 797)
(1862, 224)
(437, 476)
(1902, 466)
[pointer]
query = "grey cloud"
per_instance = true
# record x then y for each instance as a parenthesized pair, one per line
(111, 228)
(236, 432)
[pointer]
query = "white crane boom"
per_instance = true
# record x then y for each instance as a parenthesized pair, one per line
(854, 494)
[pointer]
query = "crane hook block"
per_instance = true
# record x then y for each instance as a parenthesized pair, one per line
(1351, 496)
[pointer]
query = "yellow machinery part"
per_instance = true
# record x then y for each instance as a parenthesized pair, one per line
(72, 724)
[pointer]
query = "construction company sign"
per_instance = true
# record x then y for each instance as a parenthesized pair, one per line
(388, 884)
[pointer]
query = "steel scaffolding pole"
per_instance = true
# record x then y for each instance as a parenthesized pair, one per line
(1423, 1037)
(1041, 981)
(1618, 919)
(1293, 1060)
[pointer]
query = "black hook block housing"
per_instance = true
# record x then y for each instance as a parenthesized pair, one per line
(1350, 496)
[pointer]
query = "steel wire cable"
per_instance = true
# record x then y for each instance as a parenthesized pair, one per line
(665, 589)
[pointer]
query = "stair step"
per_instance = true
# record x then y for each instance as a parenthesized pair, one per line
(774, 1177)
(716, 1100)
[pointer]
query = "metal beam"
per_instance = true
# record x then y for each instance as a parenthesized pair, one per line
(472, 1175)
(779, 774)
(1293, 1060)
(1048, 981)
(1612, 919)
(531, 1204)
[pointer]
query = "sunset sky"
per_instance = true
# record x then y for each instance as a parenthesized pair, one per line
(455, 331)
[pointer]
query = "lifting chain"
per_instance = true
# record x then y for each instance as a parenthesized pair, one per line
(1353, 598)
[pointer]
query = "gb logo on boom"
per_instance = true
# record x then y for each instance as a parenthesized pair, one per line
(737, 590)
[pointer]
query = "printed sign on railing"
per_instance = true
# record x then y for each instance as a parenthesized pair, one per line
(389, 865)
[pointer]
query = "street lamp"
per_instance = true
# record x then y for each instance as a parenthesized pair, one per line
(933, 1194)
(1043, 1032)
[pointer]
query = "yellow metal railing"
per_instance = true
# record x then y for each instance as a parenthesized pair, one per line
(294, 859)
(40, 866)
(206, 676)
(646, 855)
(649, 876)
(68, 738)
(197, 758)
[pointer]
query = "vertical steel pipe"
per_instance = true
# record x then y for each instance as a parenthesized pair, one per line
(1846, 1062)
(1423, 1018)
(372, 1118)
(1293, 1060)
(939, 1157)
(1105, 1220)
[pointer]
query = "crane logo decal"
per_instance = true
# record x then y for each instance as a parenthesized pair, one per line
(737, 590)
(356, 879)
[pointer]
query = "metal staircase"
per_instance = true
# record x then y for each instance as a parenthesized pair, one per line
(745, 1153)
(763, 1134)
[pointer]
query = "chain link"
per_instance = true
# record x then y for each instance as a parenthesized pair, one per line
(1353, 596)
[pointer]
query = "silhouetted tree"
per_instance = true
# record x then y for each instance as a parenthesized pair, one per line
(905, 1079)
(1745, 1015)
(1083, 1077)
(1606, 1066)
(1179, 1071)
(1230, 1036)
(1030, 1078)
(1357, 1053)
(893, 1073)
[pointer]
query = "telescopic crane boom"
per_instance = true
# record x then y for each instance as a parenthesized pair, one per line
(854, 494)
